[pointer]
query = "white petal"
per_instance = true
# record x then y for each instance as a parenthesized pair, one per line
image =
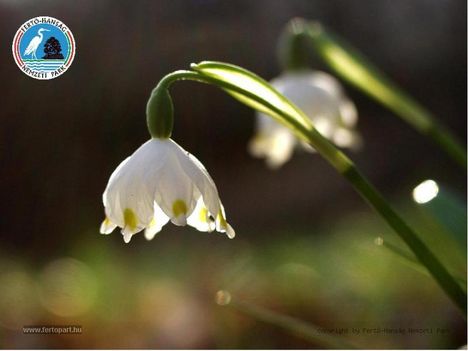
(276, 146)
(222, 225)
(325, 82)
(117, 172)
(175, 190)
(107, 226)
(201, 218)
(315, 93)
(321, 98)
(132, 225)
(127, 234)
(230, 232)
(132, 185)
(195, 170)
(325, 126)
(159, 220)
(344, 138)
(348, 113)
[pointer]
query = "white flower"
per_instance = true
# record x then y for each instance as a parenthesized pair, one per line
(161, 182)
(321, 98)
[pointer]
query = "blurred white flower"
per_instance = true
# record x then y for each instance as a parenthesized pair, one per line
(322, 99)
(161, 182)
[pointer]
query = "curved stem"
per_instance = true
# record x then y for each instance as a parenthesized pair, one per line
(381, 206)
(352, 66)
(339, 160)
(346, 167)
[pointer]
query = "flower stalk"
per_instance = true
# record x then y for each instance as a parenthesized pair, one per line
(357, 70)
(293, 46)
(258, 94)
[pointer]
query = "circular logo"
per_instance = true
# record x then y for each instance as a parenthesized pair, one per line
(43, 47)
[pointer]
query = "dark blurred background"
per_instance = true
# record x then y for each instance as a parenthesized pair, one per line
(61, 139)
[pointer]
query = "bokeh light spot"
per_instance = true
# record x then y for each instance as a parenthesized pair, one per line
(378, 241)
(67, 287)
(425, 192)
(223, 297)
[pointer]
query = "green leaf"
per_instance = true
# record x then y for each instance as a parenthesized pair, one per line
(352, 66)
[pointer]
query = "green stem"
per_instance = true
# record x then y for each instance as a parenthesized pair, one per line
(333, 155)
(421, 251)
(352, 66)
(381, 206)
(346, 167)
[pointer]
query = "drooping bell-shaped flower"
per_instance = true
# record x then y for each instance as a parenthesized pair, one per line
(322, 99)
(161, 182)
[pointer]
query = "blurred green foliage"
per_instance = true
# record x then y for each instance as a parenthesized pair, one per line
(160, 294)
